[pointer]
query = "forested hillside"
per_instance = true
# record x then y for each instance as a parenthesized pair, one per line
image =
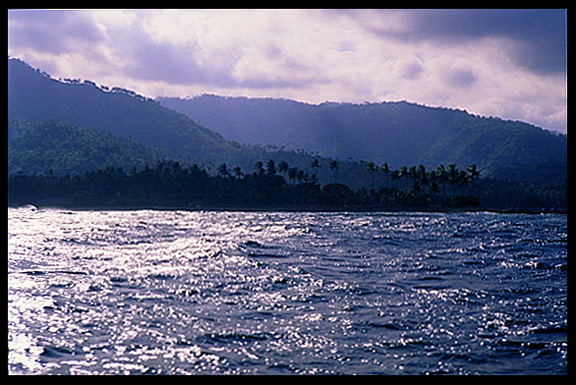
(33, 95)
(398, 133)
(55, 147)
(73, 142)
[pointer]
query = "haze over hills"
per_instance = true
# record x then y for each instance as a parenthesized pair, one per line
(71, 140)
(132, 120)
(398, 133)
(35, 96)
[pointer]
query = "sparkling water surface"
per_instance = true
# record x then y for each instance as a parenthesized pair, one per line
(216, 292)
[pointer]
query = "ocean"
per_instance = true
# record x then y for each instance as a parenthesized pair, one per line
(231, 292)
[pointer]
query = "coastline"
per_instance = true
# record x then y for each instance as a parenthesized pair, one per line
(303, 208)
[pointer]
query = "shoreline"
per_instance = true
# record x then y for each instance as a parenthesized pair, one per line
(315, 209)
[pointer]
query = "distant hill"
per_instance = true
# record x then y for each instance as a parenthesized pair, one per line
(84, 107)
(35, 96)
(398, 133)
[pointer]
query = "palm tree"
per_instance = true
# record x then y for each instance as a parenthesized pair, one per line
(270, 167)
(442, 178)
(238, 172)
(315, 164)
(292, 173)
(259, 167)
(421, 172)
(473, 172)
(223, 170)
(463, 178)
(402, 171)
(385, 168)
(334, 166)
(371, 168)
(300, 176)
(412, 172)
(282, 167)
(453, 176)
(386, 171)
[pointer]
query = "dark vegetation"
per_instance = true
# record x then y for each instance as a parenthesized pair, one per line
(72, 143)
(37, 147)
(279, 186)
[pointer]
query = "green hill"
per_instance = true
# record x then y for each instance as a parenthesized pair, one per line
(33, 95)
(398, 133)
(140, 130)
(51, 146)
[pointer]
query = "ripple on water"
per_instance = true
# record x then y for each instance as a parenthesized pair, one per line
(175, 292)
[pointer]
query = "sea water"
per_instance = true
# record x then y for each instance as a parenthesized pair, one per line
(217, 292)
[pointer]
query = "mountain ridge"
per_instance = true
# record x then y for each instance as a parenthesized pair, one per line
(84, 104)
(398, 133)
(58, 130)
(395, 133)
(35, 96)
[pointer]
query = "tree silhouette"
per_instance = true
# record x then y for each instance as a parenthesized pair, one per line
(385, 169)
(292, 173)
(314, 165)
(371, 168)
(259, 167)
(442, 178)
(270, 167)
(237, 172)
(282, 167)
(300, 176)
(334, 166)
(172, 184)
(473, 172)
(223, 170)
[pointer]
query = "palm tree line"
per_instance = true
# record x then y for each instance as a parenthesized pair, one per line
(434, 181)
(444, 182)
(270, 168)
(278, 184)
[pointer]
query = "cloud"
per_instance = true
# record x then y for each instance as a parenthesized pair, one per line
(460, 77)
(538, 36)
(345, 46)
(189, 48)
(147, 59)
(53, 32)
(508, 63)
(412, 70)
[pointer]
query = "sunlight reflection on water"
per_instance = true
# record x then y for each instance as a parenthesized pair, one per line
(174, 292)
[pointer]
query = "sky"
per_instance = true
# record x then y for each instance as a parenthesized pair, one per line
(506, 63)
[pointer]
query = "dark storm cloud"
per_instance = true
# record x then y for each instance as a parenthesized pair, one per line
(53, 32)
(538, 36)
